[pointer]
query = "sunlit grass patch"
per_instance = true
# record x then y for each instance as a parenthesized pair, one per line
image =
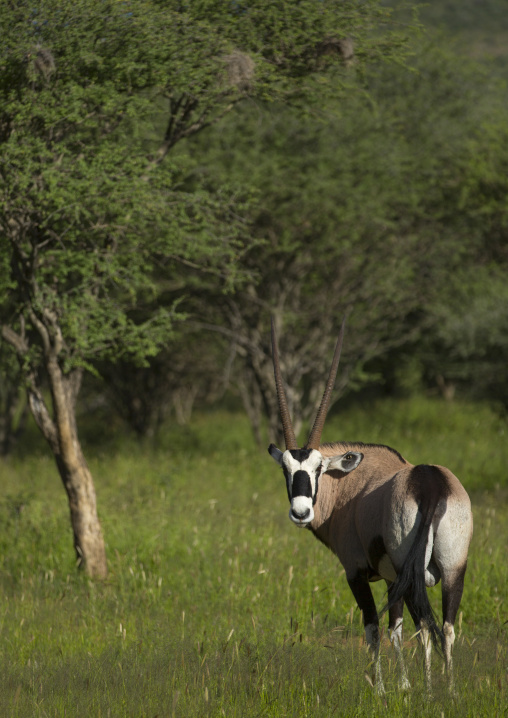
(232, 676)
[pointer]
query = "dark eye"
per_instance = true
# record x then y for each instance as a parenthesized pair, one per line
(349, 457)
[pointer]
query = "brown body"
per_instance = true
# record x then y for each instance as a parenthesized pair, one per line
(369, 517)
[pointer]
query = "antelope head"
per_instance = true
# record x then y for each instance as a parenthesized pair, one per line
(303, 467)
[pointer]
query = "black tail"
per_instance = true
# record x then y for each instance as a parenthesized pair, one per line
(410, 582)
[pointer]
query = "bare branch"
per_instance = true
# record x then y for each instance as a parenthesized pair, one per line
(170, 140)
(41, 330)
(35, 399)
(58, 341)
(15, 340)
(42, 418)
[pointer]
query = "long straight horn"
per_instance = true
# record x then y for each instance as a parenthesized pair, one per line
(287, 426)
(314, 439)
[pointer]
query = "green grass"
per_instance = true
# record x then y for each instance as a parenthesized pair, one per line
(215, 604)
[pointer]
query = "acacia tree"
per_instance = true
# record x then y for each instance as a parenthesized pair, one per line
(94, 210)
(364, 213)
(328, 196)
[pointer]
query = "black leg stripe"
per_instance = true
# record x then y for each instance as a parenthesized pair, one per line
(359, 585)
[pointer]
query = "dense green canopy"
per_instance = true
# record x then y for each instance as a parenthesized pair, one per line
(220, 163)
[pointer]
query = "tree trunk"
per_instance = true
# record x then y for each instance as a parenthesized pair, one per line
(60, 431)
(62, 436)
(86, 527)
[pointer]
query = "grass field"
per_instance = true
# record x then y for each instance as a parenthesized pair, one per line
(216, 605)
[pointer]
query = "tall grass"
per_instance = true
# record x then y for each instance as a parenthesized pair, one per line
(216, 605)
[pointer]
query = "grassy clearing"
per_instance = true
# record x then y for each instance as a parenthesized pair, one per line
(215, 604)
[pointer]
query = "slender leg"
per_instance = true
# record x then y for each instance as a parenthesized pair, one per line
(359, 585)
(448, 641)
(426, 644)
(395, 614)
(427, 647)
(451, 595)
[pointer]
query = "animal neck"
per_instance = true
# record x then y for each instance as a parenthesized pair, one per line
(337, 490)
(328, 499)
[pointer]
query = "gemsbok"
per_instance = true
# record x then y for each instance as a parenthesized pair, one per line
(384, 519)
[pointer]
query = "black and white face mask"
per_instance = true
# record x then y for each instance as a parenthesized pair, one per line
(302, 469)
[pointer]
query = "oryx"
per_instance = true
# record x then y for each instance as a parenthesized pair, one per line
(384, 519)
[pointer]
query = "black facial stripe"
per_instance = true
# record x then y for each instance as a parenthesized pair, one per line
(287, 476)
(300, 455)
(301, 484)
(318, 474)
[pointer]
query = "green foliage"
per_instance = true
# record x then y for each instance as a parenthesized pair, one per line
(214, 602)
(86, 220)
(94, 97)
(390, 207)
(470, 15)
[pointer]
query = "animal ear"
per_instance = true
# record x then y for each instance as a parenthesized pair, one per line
(345, 462)
(275, 453)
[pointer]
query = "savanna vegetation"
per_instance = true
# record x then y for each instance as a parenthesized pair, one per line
(215, 604)
(171, 176)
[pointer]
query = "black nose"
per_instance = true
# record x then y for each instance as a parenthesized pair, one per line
(302, 516)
